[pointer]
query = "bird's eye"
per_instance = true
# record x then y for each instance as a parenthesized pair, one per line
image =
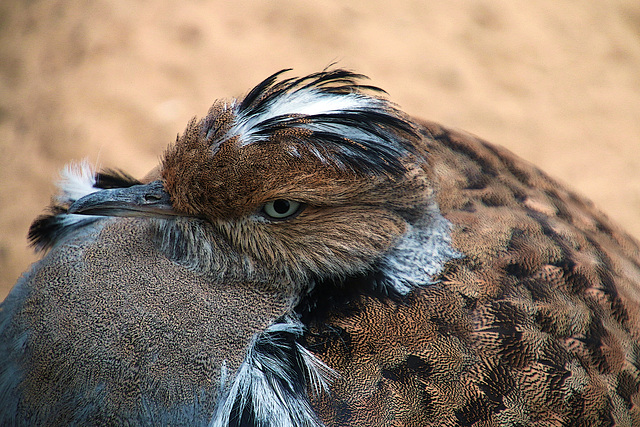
(281, 208)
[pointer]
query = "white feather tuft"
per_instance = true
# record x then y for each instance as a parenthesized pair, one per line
(76, 181)
(264, 382)
(319, 373)
(420, 254)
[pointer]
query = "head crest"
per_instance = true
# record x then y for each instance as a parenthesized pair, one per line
(344, 125)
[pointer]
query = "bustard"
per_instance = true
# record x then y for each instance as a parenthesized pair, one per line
(309, 255)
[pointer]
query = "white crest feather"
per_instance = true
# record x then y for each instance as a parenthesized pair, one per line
(76, 181)
(306, 102)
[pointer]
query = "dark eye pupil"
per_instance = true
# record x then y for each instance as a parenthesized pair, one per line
(281, 206)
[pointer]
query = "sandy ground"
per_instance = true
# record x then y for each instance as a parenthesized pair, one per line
(114, 81)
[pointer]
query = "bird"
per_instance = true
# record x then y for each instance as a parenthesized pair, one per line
(310, 255)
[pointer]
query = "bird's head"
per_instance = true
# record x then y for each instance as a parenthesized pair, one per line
(303, 180)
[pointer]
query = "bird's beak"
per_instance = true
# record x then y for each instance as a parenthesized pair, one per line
(148, 200)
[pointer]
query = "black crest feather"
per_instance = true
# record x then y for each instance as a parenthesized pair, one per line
(112, 178)
(371, 136)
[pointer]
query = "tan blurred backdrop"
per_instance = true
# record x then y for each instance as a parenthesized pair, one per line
(113, 81)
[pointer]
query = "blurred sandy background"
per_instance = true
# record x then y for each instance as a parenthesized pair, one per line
(114, 81)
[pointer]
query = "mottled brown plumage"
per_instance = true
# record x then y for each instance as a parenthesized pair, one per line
(309, 255)
(537, 324)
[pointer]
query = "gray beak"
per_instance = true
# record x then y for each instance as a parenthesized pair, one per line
(148, 200)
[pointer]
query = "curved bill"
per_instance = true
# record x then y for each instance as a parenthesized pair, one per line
(138, 200)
